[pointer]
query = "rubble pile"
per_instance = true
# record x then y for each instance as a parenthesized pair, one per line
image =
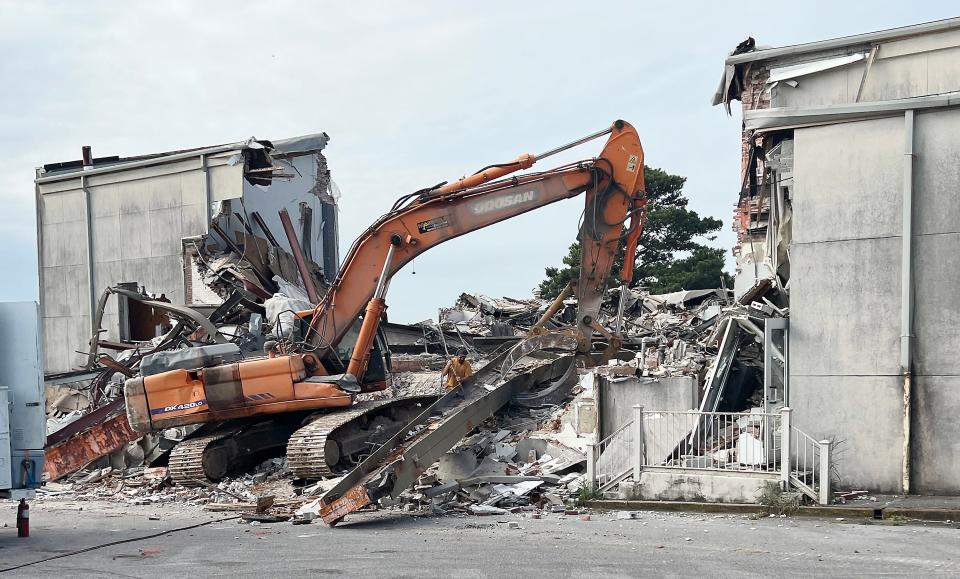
(493, 472)
(670, 333)
(267, 489)
(523, 459)
(483, 316)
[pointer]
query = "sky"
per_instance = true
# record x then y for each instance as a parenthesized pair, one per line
(411, 94)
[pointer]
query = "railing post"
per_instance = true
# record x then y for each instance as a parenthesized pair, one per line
(638, 450)
(592, 466)
(785, 448)
(824, 486)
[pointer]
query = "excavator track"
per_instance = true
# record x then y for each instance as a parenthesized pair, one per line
(186, 466)
(234, 446)
(334, 442)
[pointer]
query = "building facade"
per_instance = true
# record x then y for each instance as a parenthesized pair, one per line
(849, 216)
(147, 221)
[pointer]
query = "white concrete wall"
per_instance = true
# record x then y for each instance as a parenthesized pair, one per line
(845, 297)
(618, 398)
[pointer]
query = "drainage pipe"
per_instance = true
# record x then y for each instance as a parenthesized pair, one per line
(906, 294)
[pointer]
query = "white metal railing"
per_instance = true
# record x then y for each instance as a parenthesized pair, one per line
(610, 460)
(713, 441)
(806, 462)
(728, 441)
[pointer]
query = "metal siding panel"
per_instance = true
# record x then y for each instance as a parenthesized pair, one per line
(936, 268)
(56, 351)
(823, 88)
(936, 172)
(943, 71)
(167, 277)
(135, 233)
(226, 182)
(126, 177)
(107, 240)
(936, 435)
(848, 180)
(134, 197)
(165, 232)
(76, 289)
(78, 336)
(193, 220)
(864, 415)
(20, 349)
(51, 239)
(845, 308)
(164, 192)
(137, 270)
(52, 293)
(193, 188)
(104, 201)
(51, 208)
(106, 274)
(74, 206)
(924, 43)
(896, 79)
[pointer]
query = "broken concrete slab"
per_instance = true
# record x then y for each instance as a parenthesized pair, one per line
(486, 510)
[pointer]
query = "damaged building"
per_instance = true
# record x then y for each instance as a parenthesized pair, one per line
(848, 219)
(185, 226)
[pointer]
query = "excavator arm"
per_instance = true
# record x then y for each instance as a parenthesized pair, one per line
(613, 184)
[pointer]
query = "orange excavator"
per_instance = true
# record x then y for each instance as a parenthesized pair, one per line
(304, 398)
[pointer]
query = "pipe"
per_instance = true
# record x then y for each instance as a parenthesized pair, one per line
(308, 285)
(554, 307)
(91, 287)
(573, 144)
(524, 161)
(381, 288)
(906, 293)
(207, 192)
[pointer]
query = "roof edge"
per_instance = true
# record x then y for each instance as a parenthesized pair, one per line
(285, 147)
(843, 41)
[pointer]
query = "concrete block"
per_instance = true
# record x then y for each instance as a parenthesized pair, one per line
(456, 465)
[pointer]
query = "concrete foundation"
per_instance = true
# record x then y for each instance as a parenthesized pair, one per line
(698, 486)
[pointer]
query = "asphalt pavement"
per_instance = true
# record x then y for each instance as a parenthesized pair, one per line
(389, 544)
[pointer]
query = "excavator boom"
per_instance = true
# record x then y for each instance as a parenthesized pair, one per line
(613, 183)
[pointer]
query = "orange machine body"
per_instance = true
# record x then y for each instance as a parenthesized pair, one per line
(614, 190)
(228, 391)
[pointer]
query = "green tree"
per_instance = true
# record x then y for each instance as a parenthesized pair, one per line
(670, 256)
